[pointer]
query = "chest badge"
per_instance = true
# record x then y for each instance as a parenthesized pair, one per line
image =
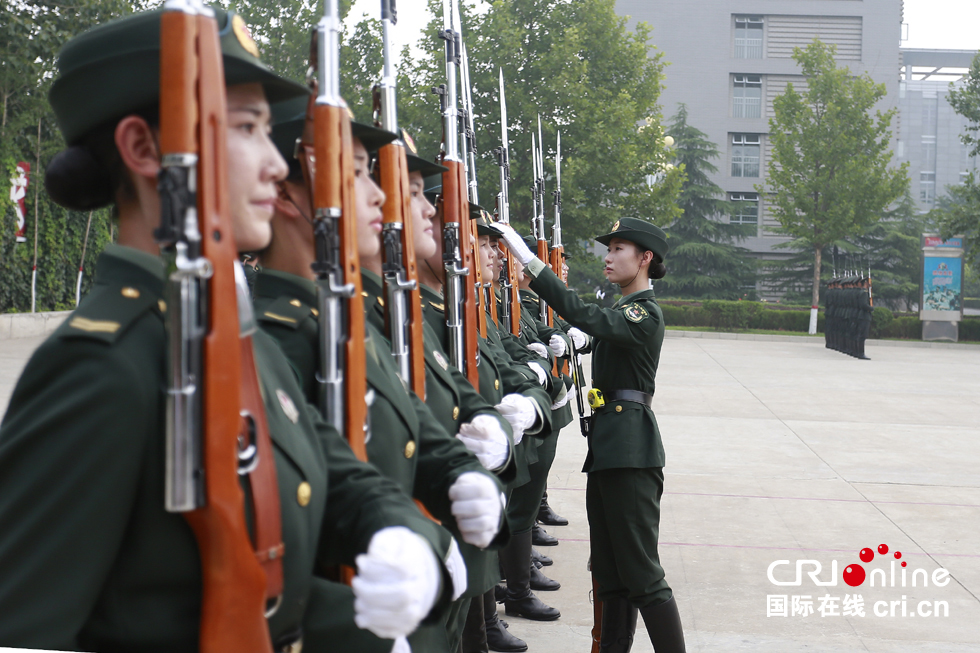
(288, 407)
(635, 313)
(443, 363)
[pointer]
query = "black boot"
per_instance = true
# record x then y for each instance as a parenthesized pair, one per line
(618, 625)
(474, 636)
(520, 601)
(540, 537)
(542, 583)
(549, 517)
(541, 559)
(498, 639)
(664, 626)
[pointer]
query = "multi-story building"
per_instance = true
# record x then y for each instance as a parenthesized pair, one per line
(729, 59)
(929, 133)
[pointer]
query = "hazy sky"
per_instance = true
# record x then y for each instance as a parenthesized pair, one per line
(945, 24)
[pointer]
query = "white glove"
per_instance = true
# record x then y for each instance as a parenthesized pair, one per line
(515, 244)
(477, 506)
(538, 349)
(541, 373)
(579, 339)
(397, 583)
(485, 439)
(457, 569)
(557, 345)
(519, 411)
(562, 400)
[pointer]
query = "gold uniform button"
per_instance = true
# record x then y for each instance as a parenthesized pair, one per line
(410, 449)
(455, 412)
(619, 409)
(295, 302)
(130, 293)
(496, 384)
(315, 312)
(162, 305)
(303, 494)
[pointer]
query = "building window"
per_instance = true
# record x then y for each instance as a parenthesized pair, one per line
(746, 208)
(927, 187)
(748, 96)
(746, 152)
(748, 37)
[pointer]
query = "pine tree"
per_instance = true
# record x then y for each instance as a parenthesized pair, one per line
(703, 261)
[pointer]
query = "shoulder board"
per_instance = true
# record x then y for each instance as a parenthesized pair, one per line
(285, 311)
(439, 307)
(635, 312)
(108, 311)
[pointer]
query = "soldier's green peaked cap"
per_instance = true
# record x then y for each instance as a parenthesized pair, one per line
(417, 163)
(479, 215)
(643, 233)
(114, 69)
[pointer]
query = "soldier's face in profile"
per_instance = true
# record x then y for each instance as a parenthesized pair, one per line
(254, 166)
(622, 261)
(486, 258)
(422, 214)
(368, 200)
(498, 257)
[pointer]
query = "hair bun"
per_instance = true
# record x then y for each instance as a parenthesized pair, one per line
(658, 271)
(76, 180)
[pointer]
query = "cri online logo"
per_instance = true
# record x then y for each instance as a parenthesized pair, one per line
(855, 574)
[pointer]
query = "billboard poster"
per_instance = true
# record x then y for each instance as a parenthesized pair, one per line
(936, 241)
(942, 284)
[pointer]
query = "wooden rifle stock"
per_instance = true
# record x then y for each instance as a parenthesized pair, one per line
(556, 262)
(456, 208)
(192, 121)
(478, 289)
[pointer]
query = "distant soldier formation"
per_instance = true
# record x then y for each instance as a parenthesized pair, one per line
(848, 305)
(314, 396)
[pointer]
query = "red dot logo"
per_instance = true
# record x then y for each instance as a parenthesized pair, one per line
(904, 563)
(898, 554)
(866, 555)
(882, 549)
(854, 575)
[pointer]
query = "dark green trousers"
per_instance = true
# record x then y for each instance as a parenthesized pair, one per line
(522, 509)
(624, 524)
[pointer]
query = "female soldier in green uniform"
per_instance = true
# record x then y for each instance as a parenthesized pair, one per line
(92, 560)
(626, 457)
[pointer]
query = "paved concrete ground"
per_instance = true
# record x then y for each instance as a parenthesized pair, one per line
(783, 451)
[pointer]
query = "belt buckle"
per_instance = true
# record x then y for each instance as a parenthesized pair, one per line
(596, 400)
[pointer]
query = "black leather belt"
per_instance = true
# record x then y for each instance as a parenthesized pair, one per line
(629, 395)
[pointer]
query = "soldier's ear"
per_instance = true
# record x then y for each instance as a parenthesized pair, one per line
(285, 204)
(137, 145)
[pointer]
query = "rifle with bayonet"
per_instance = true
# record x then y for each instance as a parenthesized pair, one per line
(403, 305)
(216, 429)
(457, 250)
(510, 299)
(537, 161)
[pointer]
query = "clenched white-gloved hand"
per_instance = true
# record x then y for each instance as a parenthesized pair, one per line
(579, 339)
(477, 506)
(515, 244)
(541, 373)
(485, 439)
(538, 349)
(557, 345)
(457, 569)
(562, 400)
(397, 583)
(519, 411)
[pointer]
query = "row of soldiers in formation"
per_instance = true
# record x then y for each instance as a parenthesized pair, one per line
(847, 309)
(90, 558)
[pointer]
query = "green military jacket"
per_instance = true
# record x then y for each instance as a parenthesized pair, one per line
(100, 565)
(530, 307)
(626, 352)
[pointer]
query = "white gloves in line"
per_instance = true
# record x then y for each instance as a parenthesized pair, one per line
(516, 244)
(397, 583)
(579, 339)
(538, 349)
(457, 569)
(485, 439)
(519, 411)
(557, 345)
(477, 506)
(540, 372)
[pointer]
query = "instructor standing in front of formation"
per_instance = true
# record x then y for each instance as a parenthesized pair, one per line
(626, 456)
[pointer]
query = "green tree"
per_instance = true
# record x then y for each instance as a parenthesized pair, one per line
(579, 67)
(957, 214)
(704, 260)
(829, 175)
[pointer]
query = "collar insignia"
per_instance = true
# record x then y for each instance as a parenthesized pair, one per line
(443, 363)
(288, 407)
